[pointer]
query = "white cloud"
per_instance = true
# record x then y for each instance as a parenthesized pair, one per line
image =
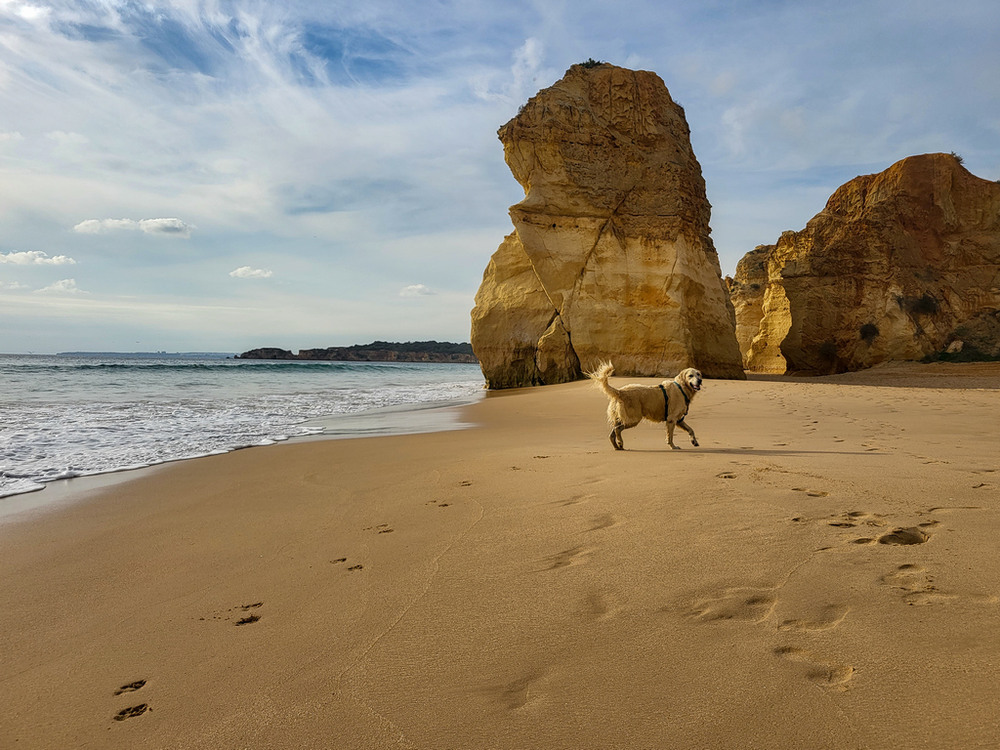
(35, 258)
(165, 227)
(11, 136)
(246, 272)
(416, 290)
(29, 12)
(168, 227)
(12, 286)
(63, 286)
(102, 226)
(527, 62)
(521, 81)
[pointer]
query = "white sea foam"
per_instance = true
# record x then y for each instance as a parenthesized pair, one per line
(65, 417)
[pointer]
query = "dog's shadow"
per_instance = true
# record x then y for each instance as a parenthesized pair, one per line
(755, 452)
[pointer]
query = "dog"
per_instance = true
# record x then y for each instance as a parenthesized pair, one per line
(667, 402)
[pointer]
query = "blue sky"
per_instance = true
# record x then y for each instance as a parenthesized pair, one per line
(214, 176)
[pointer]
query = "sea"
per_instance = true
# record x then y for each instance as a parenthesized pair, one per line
(65, 416)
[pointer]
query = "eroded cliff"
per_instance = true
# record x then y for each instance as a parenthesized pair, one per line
(899, 265)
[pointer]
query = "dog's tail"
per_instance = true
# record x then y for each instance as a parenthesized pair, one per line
(600, 377)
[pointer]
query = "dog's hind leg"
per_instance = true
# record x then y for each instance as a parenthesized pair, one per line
(616, 437)
(616, 434)
(684, 426)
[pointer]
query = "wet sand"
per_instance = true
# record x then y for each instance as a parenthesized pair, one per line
(820, 573)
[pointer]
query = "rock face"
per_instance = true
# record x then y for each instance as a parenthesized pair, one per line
(611, 256)
(746, 291)
(900, 265)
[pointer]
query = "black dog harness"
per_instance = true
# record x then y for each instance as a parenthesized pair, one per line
(666, 402)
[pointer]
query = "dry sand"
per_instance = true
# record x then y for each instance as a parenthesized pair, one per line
(821, 573)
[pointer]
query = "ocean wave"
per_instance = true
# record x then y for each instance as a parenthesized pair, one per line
(109, 416)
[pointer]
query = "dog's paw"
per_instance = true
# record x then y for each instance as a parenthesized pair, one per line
(675, 447)
(694, 443)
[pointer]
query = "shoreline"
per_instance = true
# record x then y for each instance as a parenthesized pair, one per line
(427, 417)
(819, 573)
(403, 419)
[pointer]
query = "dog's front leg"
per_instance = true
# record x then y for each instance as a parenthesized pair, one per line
(684, 425)
(670, 436)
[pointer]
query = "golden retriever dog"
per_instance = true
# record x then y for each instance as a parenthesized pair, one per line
(667, 402)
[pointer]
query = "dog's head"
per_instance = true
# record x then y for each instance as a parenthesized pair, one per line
(691, 378)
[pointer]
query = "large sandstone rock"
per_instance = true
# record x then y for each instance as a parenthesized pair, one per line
(900, 265)
(611, 256)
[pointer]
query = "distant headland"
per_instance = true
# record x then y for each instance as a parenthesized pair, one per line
(377, 351)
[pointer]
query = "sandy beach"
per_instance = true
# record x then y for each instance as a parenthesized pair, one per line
(821, 573)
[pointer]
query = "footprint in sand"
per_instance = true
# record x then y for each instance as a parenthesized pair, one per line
(915, 584)
(131, 687)
(848, 520)
(830, 617)
(827, 674)
(132, 711)
(520, 692)
(250, 618)
(573, 499)
(605, 521)
(905, 536)
(746, 604)
(854, 518)
(228, 615)
(811, 493)
(566, 558)
(946, 508)
(917, 587)
(756, 605)
(599, 605)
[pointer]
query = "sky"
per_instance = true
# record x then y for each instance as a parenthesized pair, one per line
(218, 176)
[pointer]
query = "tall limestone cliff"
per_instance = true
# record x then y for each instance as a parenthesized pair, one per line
(900, 265)
(611, 256)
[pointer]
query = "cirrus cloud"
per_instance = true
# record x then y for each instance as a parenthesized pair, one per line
(35, 258)
(163, 227)
(246, 272)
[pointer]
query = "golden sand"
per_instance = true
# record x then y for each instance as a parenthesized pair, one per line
(821, 573)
